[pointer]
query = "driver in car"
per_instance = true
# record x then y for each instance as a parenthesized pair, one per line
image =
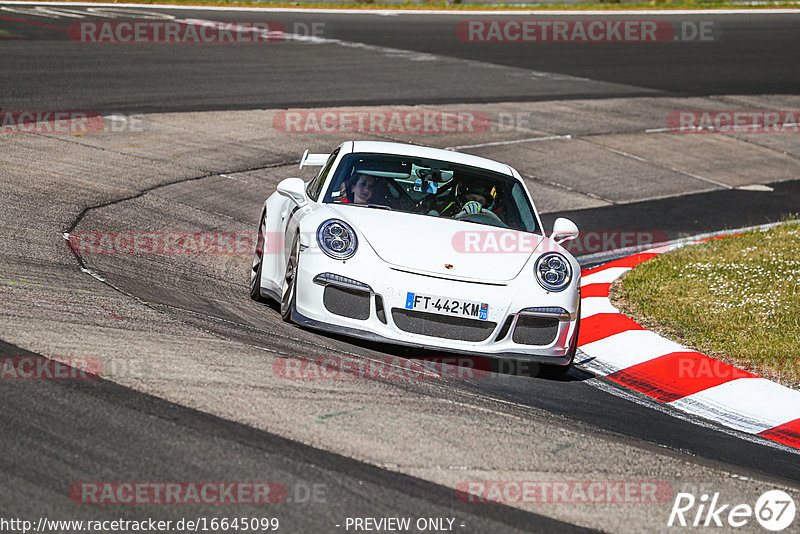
(475, 198)
(362, 190)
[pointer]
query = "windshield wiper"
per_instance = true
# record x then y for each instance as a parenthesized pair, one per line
(380, 207)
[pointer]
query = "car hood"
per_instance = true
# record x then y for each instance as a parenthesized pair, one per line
(439, 246)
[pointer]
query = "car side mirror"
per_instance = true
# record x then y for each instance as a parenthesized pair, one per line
(563, 230)
(295, 190)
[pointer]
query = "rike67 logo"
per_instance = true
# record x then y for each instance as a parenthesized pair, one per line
(774, 510)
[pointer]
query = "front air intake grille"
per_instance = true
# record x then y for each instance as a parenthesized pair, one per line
(444, 326)
(535, 330)
(347, 302)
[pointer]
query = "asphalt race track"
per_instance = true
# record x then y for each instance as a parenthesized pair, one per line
(192, 142)
(752, 55)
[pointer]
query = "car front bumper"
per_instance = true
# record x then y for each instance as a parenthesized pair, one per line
(379, 283)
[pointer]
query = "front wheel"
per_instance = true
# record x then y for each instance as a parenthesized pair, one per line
(258, 263)
(289, 293)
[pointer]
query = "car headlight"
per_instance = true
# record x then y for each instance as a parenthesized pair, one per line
(337, 239)
(553, 271)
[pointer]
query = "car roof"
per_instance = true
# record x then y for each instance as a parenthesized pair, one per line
(403, 149)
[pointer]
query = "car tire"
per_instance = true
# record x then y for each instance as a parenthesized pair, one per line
(258, 264)
(289, 293)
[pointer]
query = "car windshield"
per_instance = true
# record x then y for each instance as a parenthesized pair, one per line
(432, 188)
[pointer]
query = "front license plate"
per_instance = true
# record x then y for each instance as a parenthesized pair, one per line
(447, 306)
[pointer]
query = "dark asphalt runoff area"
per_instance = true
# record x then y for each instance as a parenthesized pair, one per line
(56, 433)
(755, 54)
(688, 215)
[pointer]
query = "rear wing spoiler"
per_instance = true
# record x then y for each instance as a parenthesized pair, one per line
(313, 160)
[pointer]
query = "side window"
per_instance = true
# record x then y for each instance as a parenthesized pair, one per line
(525, 215)
(315, 186)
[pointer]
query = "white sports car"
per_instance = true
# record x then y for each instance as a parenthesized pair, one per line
(423, 247)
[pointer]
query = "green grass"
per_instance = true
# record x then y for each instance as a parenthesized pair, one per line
(736, 299)
(609, 5)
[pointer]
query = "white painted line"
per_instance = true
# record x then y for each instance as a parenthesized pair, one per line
(514, 142)
(711, 129)
(605, 276)
(703, 179)
(410, 55)
(594, 305)
(626, 154)
(232, 178)
(547, 13)
(748, 404)
(626, 349)
(756, 187)
(666, 248)
(681, 129)
(93, 274)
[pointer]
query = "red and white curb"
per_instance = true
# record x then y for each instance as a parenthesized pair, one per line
(621, 350)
